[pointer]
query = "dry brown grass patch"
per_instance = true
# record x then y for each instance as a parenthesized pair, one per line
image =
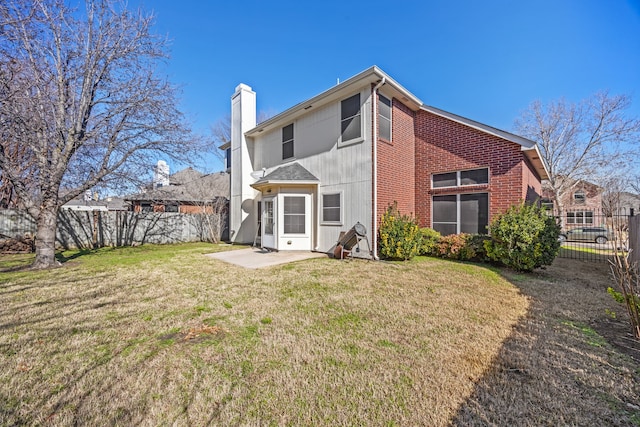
(163, 336)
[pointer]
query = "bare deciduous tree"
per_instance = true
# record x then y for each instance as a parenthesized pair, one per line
(212, 220)
(82, 102)
(220, 133)
(585, 141)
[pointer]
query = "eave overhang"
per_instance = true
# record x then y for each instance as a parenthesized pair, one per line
(366, 78)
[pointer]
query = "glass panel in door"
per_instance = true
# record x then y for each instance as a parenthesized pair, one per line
(268, 239)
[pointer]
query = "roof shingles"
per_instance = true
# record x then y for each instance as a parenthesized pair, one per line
(200, 188)
(291, 172)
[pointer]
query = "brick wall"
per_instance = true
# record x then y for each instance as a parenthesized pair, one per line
(531, 184)
(396, 165)
(183, 208)
(593, 197)
(443, 145)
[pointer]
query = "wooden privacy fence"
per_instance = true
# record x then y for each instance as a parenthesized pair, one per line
(93, 229)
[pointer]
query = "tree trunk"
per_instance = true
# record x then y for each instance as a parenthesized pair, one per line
(46, 237)
(560, 212)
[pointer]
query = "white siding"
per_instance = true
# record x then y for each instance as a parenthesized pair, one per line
(347, 169)
(243, 118)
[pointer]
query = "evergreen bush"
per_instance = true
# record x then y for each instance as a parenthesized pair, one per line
(476, 243)
(523, 238)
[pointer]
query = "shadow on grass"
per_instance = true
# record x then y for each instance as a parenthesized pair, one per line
(11, 263)
(585, 254)
(556, 367)
(15, 262)
(62, 258)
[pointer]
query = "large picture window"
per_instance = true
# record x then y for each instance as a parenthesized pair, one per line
(580, 217)
(294, 215)
(350, 119)
(331, 208)
(460, 178)
(384, 118)
(445, 214)
(461, 213)
(287, 142)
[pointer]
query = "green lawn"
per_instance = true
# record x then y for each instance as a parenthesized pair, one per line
(162, 335)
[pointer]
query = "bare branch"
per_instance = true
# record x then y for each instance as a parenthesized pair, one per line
(591, 140)
(81, 101)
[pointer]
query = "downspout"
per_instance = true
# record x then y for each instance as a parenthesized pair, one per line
(374, 236)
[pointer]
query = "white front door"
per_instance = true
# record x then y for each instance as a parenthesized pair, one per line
(268, 224)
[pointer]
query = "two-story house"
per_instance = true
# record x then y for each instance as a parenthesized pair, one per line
(300, 178)
(582, 203)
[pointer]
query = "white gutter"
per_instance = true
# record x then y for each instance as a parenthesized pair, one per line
(374, 236)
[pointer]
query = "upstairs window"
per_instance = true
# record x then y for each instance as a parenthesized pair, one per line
(579, 197)
(350, 119)
(445, 180)
(547, 205)
(287, 142)
(460, 178)
(474, 177)
(384, 118)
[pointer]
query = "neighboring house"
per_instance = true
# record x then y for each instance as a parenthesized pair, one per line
(581, 205)
(89, 204)
(300, 178)
(621, 203)
(187, 191)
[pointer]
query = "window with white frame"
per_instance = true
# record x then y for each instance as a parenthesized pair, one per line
(580, 217)
(287, 142)
(294, 215)
(461, 213)
(331, 208)
(546, 204)
(579, 197)
(384, 118)
(460, 178)
(350, 119)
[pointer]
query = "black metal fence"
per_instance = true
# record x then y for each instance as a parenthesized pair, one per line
(594, 235)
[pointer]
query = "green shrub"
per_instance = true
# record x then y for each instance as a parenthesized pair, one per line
(523, 238)
(476, 243)
(429, 242)
(399, 235)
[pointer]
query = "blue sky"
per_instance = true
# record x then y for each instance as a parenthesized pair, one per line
(485, 60)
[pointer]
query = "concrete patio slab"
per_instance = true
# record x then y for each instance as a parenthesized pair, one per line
(259, 258)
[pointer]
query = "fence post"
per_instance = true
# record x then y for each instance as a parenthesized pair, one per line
(634, 239)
